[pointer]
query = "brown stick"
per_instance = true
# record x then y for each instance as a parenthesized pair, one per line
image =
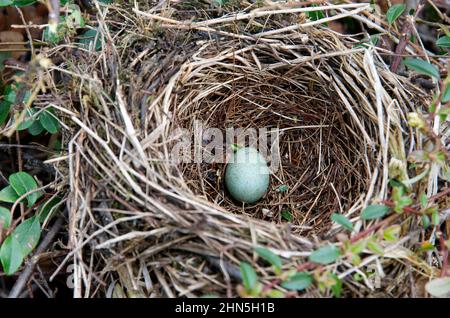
(404, 39)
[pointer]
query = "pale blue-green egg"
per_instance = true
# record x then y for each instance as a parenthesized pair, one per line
(247, 175)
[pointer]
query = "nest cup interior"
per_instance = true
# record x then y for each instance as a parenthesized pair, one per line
(324, 162)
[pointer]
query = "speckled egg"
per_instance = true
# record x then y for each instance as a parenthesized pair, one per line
(247, 176)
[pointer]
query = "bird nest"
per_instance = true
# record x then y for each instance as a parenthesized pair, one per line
(144, 223)
(304, 124)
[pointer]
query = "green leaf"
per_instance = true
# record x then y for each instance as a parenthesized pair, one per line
(28, 119)
(325, 255)
(443, 114)
(358, 246)
(357, 277)
(315, 15)
(375, 247)
(435, 218)
(49, 121)
(3, 57)
(8, 194)
(56, 145)
(47, 208)
(336, 289)
(10, 94)
(374, 39)
(23, 183)
(27, 234)
(425, 221)
(257, 290)
(282, 188)
(439, 287)
(423, 200)
(394, 12)
(5, 217)
(405, 201)
(11, 255)
(89, 38)
(355, 260)
(270, 257)
(392, 233)
(286, 214)
(398, 192)
(298, 281)
(374, 211)
(402, 203)
(25, 98)
(445, 94)
(422, 67)
(5, 3)
(23, 3)
(426, 246)
(275, 294)
(443, 41)
(53, 37)
(398, 184)
(342, 220)
(36, 129)
(5, 107)
(249, 277)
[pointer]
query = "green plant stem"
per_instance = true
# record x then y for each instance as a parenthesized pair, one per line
(406, 209)
(404, 38)
(373, 228)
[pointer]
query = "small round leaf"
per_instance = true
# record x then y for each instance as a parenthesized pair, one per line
(325, 255)
(298, 281)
